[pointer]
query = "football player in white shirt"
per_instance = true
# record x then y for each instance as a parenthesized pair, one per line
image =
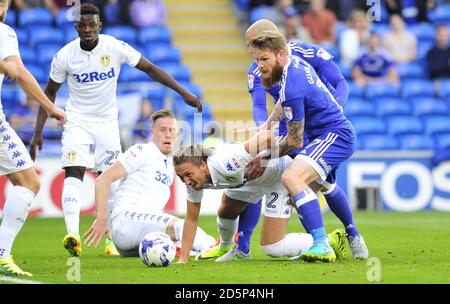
(15, 162)
(91, 65)
(224, 167)
(145, 172)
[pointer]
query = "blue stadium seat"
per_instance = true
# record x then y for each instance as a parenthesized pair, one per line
(38, 73)
(359, 106)
(45, 34)
(22, 36)
(45, 53)
(374, 90)
(440, 14)
(437, 124)
(368, 125)
(157, 96)
(404, 125)
(442, 141)
(193, 88)
(69, 33)
(386, 106)
(178, 71)
(129, 74)
(9, 99)
(423, 31)
(163, 54)
(422, 48)
(410, 71)
(378, 142)
(64, 17)
(380, 28)
(355, 89)
(415, 142)
(28, 55)
(124, 33)
(11, 18)
(428, 106)
(444, 88)
(417, 88)
(35, 16)
(259, 12)
(154, 35)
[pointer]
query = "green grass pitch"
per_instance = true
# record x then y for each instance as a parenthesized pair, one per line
(410, 248)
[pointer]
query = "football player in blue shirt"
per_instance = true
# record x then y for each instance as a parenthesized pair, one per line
(311, 111)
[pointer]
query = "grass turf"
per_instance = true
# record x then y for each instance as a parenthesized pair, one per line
(410, 248)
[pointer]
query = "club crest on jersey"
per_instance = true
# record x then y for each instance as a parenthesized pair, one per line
(251, 80)
(322, 53)
(105, 59)
(288, 112)
(71, 156)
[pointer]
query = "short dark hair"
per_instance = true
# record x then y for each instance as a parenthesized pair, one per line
(161, 114)
(89, 9)
(195, 154)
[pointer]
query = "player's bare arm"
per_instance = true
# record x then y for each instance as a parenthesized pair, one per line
(37, 140)
(9, 70)
(294, 139)
(102, 185)
(189, 230)
(162, 77)
(276, 115)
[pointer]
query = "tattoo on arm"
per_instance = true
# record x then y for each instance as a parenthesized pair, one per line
(294, 139)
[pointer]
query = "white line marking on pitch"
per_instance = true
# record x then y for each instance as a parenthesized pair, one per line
(19, 281)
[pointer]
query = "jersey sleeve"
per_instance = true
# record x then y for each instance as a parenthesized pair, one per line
(9, 46)
(193, 195)
(258, 93)
(133, 158)
(58, 71)
(229, 158)
(127, 54)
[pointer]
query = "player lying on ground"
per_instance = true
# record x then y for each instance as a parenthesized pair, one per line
(145, 172)
(224, 167)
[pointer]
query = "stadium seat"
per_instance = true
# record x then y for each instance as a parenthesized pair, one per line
(380, 28)
(423, 31)
(385, 106)
(410, 71)
(178, 71)
(359, 106)
(46, 52)
(259, 12)
(45, 34)
(355, 89)
(422, 48)
(38, 73)
(154, 35)
(378, 142)
(11, 18)
(69, 33)
(374, 90)
(28, 55)
(417, 88)
(428, 106)
(163, 54)
(64, 17)
(35, 16)
(22, 36)
(440, 14)
(442, 141)
(404, 125)
(9, 99)
(444, 88)
(129, 74)
(157, 96)
(124, 33)
(437, 124)
(415, 142)
(368, 125)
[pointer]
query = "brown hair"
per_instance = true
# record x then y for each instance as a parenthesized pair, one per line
(272, 40)
(195, 154)
(161, 114)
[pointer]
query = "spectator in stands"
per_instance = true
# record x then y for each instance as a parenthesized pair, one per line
(145, 13)
(374, 65)
(438, 58)
(320, 23)
(142, 130)
(354, 37)
(412, 11)
(115, 12)
(291, 26)
(400, 44)
(56, 5)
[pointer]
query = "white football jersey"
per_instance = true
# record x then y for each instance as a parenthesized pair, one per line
(150, 174)
(92, 76)
(9, 46)
(227, 167)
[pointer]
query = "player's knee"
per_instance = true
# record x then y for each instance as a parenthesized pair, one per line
(289, 178)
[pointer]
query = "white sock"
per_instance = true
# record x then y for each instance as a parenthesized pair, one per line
(227, 229)
(15, 212)
(291, 245)
(71, 198)
(202, 240)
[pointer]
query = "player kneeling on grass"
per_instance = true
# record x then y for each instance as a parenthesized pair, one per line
(146, 173)
(224, 167)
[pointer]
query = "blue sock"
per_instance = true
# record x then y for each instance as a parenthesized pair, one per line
(247, 223)
(309, 210)
(338, 203)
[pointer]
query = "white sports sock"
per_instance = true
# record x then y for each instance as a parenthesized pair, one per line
(202, 240)
(71, 202)
(291, 245)
(15, 213)
(227, 229)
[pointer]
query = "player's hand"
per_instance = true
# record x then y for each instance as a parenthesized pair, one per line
(255, 169)
(36, 143)
(96, 232)
(193, 101)
(57, 114)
